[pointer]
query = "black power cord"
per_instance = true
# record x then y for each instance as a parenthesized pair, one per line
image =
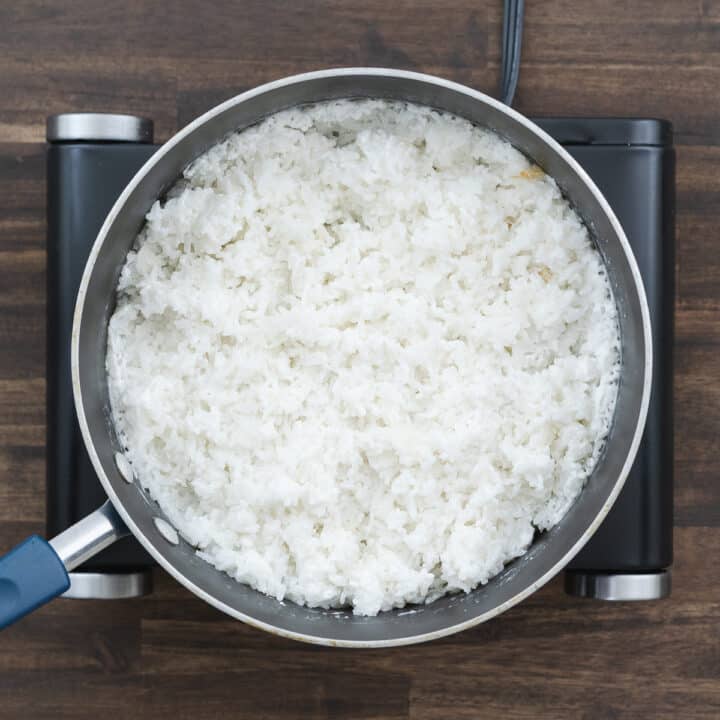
(511, 46)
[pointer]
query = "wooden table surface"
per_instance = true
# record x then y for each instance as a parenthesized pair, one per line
(170, 655)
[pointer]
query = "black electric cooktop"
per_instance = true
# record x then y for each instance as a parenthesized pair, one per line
(92, 157)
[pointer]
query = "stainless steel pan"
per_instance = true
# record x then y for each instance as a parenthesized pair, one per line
(131, 510)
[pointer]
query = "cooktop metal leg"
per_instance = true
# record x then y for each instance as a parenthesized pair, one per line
(618, 586)
(107, 586)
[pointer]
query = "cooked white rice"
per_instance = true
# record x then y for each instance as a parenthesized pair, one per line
(361, 353)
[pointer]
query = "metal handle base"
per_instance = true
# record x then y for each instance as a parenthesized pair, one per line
(89, 536)
(618, 587)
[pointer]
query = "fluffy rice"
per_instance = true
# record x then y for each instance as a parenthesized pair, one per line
(361, 353)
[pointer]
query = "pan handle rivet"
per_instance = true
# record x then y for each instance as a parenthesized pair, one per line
(124, 467)
(167, 530)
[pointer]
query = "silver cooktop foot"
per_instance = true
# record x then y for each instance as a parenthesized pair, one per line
(109, 586)
(618, 586)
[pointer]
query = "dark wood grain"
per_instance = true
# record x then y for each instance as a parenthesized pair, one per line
(170, 655)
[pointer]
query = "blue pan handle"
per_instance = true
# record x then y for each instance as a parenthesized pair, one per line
(30, 575)
(36, 571)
